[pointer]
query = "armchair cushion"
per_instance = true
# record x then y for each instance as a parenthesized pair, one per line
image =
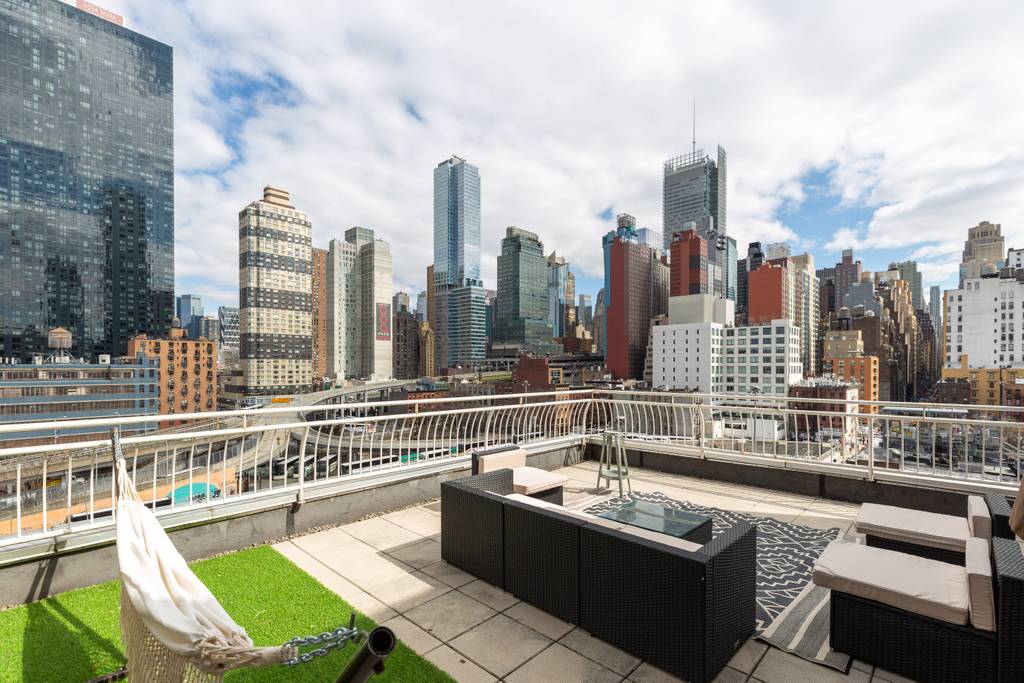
(979, 582)
(915, 584)
(913, 526)
(530, 480)
(510, 458)
(979, 520)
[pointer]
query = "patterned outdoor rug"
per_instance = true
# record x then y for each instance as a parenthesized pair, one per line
(792, 613)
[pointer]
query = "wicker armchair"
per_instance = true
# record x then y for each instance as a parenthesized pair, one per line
(472, 524)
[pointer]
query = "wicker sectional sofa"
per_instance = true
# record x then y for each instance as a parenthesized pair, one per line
(683, 607)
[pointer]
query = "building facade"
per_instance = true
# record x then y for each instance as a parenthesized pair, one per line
(521, 306)
(318, 298)
(275, 281)
(985, 321)
(406, 352)
(694, 190)
(688, 264)
(189, 311)
(908, 271)
(636, 291)
(228, 324)
(58, 389)
(188, 372)
(762, 359)
(86, 180)
(984, 247)
(359, 306)
(459, 316)
(558, 295)
(846, 273)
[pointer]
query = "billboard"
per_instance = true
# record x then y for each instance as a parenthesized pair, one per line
(383, 322)
(112, 17)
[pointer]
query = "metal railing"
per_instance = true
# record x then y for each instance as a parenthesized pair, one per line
(215, 459)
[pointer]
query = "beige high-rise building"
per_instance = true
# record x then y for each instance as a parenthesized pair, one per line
(984, 246)
(319, 302)
(275, 296)
(359, 301)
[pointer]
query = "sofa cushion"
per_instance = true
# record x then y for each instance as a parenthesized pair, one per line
(979, 519)
(915, 584)
(913, 526)
(527, 480)
(511, 459)
(979, 584)
(664, 539)
(527, 500)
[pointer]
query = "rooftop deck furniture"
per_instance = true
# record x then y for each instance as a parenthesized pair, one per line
(926, 534)
(926, 619)
(684, 607)
(662, 519)
(529, 481)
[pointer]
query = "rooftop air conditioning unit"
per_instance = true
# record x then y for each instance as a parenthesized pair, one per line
(104, 359)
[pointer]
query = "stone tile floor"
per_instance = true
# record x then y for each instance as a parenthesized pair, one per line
(390, 568)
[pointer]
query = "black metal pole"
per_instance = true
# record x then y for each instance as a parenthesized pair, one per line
(369, 660)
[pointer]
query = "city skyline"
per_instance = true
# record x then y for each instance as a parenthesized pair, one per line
(817, 160)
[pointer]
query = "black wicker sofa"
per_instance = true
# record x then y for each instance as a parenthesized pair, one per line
(683, 607)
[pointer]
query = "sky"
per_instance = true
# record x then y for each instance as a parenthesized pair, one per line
(887, 127)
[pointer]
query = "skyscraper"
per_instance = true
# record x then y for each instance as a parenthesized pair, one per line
(359, 306)
(401, 302)
(694, 190)
(227, 317)
(984, 246)
(755, 257)
(459, 317)
(318, 301)
(637, 290)
(935, 308)
(688, 254)
(847, 273)
(908, 271)
(558, 278)
(421, 306)
(275, 281)
(521, 306)
(586, 311)
(86, 180)
(189, 312)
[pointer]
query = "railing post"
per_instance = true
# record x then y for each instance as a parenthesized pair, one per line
(871, 448)
(302, 466)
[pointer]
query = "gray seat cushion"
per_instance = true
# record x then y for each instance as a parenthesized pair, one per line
(913, 526)
(915, 584)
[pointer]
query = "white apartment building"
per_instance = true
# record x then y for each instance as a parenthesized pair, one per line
(762, 359)
(985, 320)
(359, 300)
(275, 296)
(688, 356)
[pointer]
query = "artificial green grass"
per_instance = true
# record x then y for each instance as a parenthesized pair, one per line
(75, 636)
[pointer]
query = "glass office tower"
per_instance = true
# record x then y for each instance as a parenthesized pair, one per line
(460, 310)
(86, 180)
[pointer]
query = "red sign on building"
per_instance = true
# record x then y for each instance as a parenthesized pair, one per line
(99, 12)
(383, 322)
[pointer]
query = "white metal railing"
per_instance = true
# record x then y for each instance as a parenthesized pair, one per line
(215, 459)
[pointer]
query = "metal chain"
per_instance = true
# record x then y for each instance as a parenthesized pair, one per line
(332, 640)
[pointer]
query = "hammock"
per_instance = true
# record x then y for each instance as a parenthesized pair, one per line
(173, 628)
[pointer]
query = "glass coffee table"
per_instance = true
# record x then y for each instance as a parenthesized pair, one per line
(663, 519)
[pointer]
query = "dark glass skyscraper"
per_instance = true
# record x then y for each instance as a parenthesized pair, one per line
(522, 303)
(86, 180)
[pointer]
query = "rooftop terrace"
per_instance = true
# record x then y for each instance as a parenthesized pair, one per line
(353, 488)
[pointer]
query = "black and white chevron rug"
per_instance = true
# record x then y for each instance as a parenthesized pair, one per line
(785, 559)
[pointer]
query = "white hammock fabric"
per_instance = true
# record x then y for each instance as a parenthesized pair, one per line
(173, 627)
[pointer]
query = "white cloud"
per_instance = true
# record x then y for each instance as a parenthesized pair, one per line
(569, 109)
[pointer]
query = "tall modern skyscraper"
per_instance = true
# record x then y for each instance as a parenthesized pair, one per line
(847, 274)
(586, 311)
(935, 308)
(636, 291)
(227, 318)
(86, 180)
(694, 190)
(275, 284)
(558, 281)
(359, 306)
(460, 308)
(189, 313)
(421, 306)
(318, 301)
(521, 306)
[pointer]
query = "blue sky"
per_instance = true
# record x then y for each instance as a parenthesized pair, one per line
(891, 129)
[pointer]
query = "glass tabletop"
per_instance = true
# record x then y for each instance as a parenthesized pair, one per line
(656, 517)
